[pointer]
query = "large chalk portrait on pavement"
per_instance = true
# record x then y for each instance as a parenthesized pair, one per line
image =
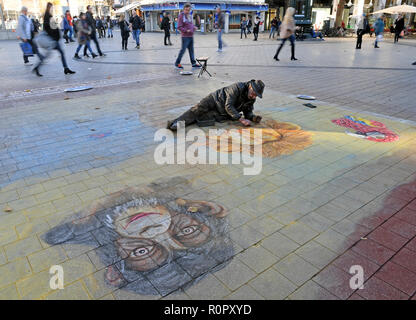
(151, 240)
(277, 138)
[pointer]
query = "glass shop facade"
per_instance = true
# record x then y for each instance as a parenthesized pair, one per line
(204, 14)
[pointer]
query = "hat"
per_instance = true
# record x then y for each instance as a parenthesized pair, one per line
(258, 87)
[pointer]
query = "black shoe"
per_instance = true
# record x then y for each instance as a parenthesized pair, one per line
(94, 55)
(376, 47)
(71, 40)
(86, 55)
(276, 58)
(414, 63)
(36, 71)
(76, 56)
(293, 58)
(102, 54)
(68, 71)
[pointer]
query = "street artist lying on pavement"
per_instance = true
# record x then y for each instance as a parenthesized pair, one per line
(225, 104)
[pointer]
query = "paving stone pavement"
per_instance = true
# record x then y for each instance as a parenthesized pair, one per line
(324, 201)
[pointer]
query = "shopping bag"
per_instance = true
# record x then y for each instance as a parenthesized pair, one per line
(379, 38)
(26, 48)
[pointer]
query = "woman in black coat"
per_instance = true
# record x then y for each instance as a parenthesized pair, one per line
(125, 32)
(398, 28)
(50, 26)
(165, 25)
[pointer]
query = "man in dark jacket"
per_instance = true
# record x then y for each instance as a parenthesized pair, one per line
(398, 27)
(136, 24)
(225, 104)
(165, 26)
(219, 25)
(93, 35)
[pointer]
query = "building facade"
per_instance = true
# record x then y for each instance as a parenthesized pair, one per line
(203, 12)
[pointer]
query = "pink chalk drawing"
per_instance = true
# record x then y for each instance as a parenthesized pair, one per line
(367, 129)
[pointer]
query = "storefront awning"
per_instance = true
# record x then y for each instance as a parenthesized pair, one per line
(128, 7)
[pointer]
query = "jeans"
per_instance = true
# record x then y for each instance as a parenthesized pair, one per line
(110, 32)
(93, 37)
(71, 32)
(292, 43)
(60, 50)
(187, 43)
(243, 30)
(87, 45)
(136, 36)
(219, 39)
(272, 32)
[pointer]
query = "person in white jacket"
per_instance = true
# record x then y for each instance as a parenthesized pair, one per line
(24, 32)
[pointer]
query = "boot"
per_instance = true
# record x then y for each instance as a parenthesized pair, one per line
(293, 53)
(76, 56)
(68, 71)
(36, 71)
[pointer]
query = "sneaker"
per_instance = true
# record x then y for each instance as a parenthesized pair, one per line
(138, 46)
(219, 50)
(196, 66)
(178, 66)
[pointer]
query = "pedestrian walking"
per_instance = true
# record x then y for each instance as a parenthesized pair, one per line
(51, 27)
(273, 28)
(110, 26)
(165, 26)
(25, 33)
(103, 27)
(99, 24)
(125, 32)
(287, 31)
(175, 25)
(68, 27)
(363, 27)
(136, 24)
(256, 28)
(187, 29)
(93, 35)
(249, 25)
(219, 25)
(398, 27)
(84, 32)
(379, 30)
(243, 27)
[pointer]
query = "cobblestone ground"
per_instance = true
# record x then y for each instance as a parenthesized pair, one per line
(72, 163)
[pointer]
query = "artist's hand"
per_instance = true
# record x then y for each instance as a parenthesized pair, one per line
(245, 122)
(257, 119)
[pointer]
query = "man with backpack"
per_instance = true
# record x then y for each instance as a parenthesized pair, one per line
(136, 24)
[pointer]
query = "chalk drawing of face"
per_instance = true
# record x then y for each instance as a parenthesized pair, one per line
(277, 138)
(152, 241)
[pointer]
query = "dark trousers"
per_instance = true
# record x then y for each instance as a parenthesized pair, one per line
(187, 43)
(167, 37)
(256, 34)
(360, 33)
(93, 37)
(206, 109)
(243, 30)
(124, 40)
(397, 35)
(292, 44)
